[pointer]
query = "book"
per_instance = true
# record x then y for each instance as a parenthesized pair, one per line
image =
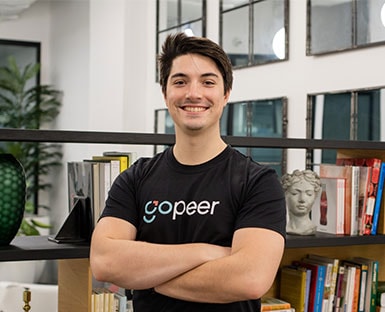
(348, 298)
(338, 299)
(97, 205)
(293, 286)
(342, 172)
(331, 279)
(326, 297)
(355, 209)
(130, 156)
(362, 283)
(123, 161)
(358, 280)
(372, 282)
(372, 159)
(378, 202)
(333, 195)
(273, 304)
(364, 193)
(380, 297)
(318, 273)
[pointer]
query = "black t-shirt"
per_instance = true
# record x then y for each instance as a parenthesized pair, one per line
(171, 203)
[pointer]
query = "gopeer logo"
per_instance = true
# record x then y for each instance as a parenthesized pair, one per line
(179, 208)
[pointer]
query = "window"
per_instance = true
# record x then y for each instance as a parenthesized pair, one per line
(346, 115)
(340, 25)
(180, 15)
(258, 118)
(254, 32)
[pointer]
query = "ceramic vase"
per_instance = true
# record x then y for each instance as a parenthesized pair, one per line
(12, 197)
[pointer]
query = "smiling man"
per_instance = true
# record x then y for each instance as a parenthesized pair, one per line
(198, 227)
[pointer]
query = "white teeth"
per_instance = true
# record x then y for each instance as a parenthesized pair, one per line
(194, 109)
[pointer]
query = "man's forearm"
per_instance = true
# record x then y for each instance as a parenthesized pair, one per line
(140, 265)
(245, 274)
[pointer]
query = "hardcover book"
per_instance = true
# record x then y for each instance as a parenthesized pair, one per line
(273, 304)
(372, 282)
(317, 283)
(293, 286)
(373, 159)
(330, 279)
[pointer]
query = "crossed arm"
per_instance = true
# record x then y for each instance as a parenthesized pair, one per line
(195, 272)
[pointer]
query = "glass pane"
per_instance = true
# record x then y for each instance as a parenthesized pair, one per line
(267, 120)
(225, 121)
(235, 38)
(370, 21)
(331, 25)
(25, 53)
(239, 120)
(191, 10)
(269, 31)
(193, 29)
(368, 115)
(168, 14)
(230, 4)
(331, 120)
(163, 124)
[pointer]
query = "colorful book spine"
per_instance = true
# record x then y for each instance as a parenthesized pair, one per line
(377, 207)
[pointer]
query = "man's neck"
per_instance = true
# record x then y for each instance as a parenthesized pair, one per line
(195, 150)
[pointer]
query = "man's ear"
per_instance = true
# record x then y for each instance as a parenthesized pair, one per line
(227, 97)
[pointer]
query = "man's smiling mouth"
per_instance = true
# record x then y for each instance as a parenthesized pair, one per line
(194, 109)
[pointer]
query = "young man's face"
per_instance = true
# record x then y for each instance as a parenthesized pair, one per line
(195, 93)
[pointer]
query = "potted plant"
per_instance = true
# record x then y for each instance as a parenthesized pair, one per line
(29, 107)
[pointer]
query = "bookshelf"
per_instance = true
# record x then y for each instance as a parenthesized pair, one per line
(74, 276)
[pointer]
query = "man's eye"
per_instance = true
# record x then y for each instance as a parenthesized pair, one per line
(179, 82)
(209, 82)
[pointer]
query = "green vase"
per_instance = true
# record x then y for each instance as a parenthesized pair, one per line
(12, 197)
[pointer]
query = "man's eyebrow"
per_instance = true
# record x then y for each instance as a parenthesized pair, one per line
(177, 75)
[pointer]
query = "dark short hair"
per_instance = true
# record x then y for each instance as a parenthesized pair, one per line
(180, 44)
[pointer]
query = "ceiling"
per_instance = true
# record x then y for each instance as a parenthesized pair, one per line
(11, 9)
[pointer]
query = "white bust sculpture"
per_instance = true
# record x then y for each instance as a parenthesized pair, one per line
(301, 189)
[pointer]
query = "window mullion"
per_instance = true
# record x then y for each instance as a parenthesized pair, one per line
(354, 116)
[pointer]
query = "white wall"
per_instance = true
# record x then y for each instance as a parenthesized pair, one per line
(101, 53)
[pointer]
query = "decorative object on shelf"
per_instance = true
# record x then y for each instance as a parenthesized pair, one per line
(12, 197)
(301, 190)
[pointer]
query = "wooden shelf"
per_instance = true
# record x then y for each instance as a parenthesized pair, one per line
(40, 248)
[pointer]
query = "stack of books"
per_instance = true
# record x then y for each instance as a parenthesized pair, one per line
(351, 199)
(276, 305)
(106, 300)
(317, 283)
(93, 178)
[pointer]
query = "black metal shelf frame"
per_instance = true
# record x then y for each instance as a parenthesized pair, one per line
(99, 137)
(34, 248)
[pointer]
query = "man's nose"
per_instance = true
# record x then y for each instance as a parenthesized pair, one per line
(194, 91)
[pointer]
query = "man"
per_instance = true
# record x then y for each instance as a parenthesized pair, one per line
(199, 227)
